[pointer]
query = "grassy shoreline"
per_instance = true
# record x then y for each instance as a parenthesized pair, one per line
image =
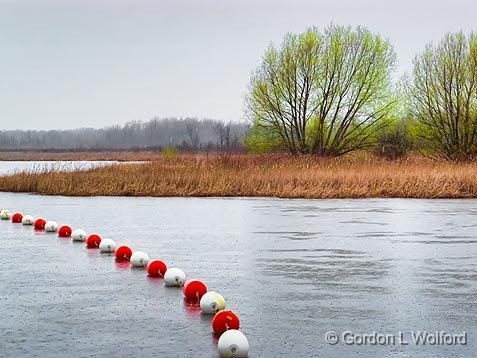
(259, 176)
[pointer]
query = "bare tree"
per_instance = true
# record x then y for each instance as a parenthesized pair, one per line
(221, 133)
(192, 132)
(226, 133)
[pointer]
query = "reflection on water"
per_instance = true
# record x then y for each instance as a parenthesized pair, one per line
(11, 167)
(340, 274)
(292, 269)
(292, 235)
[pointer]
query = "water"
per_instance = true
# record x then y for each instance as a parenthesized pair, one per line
(11, 167)
(292, 269)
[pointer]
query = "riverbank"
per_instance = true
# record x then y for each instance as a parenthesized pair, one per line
(268, 176)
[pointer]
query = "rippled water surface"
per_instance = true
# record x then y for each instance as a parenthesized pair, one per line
(292, 269)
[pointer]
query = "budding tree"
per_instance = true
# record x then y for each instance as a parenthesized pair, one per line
(442, 93)
(323, 92)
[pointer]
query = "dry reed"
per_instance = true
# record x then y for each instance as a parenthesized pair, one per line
(272, 176)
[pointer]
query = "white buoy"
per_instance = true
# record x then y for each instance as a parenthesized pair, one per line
(51, 226)
(211, 303)
(78, 235)
(107, 246)
(233, 343)
(139, 259)
(27, 220)
(5, 215)
(174, 277)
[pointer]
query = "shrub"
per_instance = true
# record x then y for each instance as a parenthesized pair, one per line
(170, 153)
(395, 142)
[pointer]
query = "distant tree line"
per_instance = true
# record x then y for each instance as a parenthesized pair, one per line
(331, 92)
(188, 134)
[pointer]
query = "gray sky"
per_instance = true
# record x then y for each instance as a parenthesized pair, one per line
(76, 63)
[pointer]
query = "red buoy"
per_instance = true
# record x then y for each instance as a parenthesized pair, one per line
(156, 268)
(193, 290)
(93, 241)
(123, 253)
(225, 320)
(17, 218)
(64, 231)
(39, 224)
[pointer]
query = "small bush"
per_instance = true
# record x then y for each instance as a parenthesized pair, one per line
(394, 142)
(170, 153)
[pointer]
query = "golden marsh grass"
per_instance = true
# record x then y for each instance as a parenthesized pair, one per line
(361, 176)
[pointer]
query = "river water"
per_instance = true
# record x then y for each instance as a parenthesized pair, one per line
(292, 269)
(11, 167)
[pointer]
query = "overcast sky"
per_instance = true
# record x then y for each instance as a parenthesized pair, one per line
(77, 63)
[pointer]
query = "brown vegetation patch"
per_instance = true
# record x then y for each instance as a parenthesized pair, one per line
(272, 176)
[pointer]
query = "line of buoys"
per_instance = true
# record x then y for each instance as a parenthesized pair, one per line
(93, 241)
(79, 235)
(107, 246)
(5, 215)
(233, 343)
(39, 224)
(139, 259)
(174, 277)
(64, 231)
(225, 320)
(27, 220)
(156, 268)
(51, 226)
(211, 303)
(17, 218)
(193, 290)
(123, 253)
(225, 323)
